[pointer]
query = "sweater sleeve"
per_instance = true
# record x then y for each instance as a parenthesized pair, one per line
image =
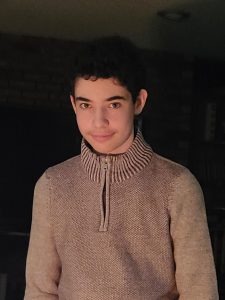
(43, 263)
(195, 270)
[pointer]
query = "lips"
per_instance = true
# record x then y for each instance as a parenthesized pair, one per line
(102, 137)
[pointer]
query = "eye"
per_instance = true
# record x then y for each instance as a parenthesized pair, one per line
(84, 105)
(115, 105)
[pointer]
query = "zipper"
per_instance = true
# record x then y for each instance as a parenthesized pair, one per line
(104, 195)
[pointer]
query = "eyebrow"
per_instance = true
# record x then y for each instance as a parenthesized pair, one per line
(108, 99)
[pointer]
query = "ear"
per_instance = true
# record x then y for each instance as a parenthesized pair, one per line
(73, 103)
(140, 101)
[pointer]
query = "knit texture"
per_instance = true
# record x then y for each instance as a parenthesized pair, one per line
(119, 227)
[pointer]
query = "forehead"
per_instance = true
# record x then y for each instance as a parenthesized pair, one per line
(99, 87)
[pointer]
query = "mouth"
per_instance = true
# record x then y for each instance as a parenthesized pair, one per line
(102, 137)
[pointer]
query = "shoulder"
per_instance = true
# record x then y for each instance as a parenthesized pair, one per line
(64, 168)
(179, 177)
(61, 173)
(183, 190)
(166, 167)
(184, 187)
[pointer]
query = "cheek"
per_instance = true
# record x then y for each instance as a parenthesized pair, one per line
(126, 112)
(126, 116)
(82, 121)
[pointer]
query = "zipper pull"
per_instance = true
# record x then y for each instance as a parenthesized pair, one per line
(106, 163)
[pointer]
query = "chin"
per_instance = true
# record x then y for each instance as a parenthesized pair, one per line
(102, 150)
(102, 145)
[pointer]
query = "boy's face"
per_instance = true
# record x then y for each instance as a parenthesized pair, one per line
(105, 113)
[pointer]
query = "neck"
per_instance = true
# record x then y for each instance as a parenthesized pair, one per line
(123, 165)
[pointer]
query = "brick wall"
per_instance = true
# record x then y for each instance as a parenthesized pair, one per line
(167, 121)
(33, 71)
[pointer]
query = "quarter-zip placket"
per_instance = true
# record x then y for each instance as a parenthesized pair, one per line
(104, 194)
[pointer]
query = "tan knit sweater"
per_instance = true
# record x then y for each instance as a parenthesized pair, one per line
(125, 227)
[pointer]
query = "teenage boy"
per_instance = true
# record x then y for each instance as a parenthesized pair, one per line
(117, 222)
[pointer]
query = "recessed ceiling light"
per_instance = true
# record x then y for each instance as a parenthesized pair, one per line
(173, 15)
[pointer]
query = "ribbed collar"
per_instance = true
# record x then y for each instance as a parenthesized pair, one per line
(122, 166)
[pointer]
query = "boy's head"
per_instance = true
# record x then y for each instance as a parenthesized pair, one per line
(107, 92)
(115, 57)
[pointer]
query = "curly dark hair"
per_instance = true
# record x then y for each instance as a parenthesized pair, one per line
(107, 57)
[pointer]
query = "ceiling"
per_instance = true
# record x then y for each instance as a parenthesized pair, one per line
(202, 34)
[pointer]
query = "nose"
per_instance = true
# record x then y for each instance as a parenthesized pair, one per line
(100, 119)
